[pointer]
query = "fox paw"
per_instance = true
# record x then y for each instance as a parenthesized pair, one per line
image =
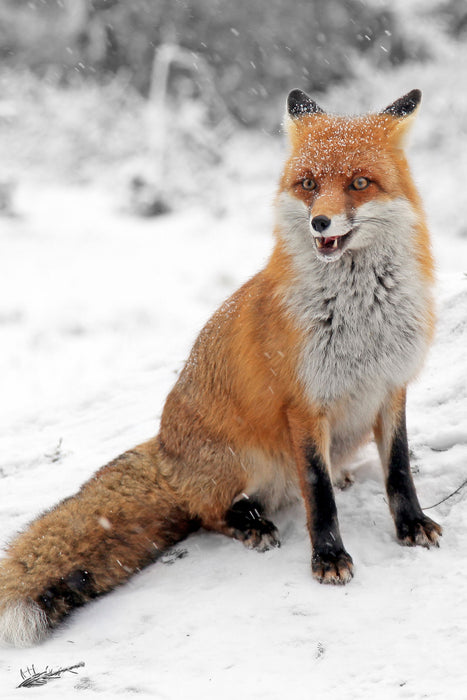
(247, 524)
(332, 567)
(262, 536)
(422, 531)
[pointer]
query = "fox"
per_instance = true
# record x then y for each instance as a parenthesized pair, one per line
(306, 362)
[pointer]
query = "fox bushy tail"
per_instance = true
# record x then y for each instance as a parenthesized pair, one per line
(119, 521)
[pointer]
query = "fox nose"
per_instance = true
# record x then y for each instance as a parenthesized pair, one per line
(320, 223)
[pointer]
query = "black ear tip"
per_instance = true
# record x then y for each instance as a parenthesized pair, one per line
(405, 105)
(295, 99)
(414, 97)
(296, 95)
(416, 94)
(298, 103)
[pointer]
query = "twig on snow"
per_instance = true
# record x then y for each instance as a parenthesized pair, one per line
(32, 678)
(459, 488)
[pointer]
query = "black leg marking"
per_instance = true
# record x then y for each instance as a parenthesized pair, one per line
(330, 562)
(245, 518)
(412, 525)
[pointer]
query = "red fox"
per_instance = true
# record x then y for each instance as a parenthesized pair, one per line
(290, 376)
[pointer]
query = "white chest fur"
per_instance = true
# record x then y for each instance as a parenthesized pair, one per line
(364, 316)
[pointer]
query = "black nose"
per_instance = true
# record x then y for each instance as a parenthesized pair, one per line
(320, 223)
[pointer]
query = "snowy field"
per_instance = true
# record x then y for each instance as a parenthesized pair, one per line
(97, 312)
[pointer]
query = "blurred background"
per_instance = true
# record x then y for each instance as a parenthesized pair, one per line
(145, 90)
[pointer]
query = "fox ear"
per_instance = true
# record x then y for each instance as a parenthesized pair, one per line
(298, 104)
(405, 105)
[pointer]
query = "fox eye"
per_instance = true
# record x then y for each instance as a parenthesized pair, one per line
(360, 183)
(308, 183)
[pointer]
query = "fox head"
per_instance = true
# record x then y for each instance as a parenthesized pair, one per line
(346, 183)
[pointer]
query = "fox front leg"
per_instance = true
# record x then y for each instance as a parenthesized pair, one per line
(413, 527)
(330, 562)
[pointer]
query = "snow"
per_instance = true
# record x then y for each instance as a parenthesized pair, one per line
(97, 312)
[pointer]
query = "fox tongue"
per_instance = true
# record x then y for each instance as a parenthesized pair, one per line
(327, 242)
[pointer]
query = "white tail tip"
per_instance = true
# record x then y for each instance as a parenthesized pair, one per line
(22, 623)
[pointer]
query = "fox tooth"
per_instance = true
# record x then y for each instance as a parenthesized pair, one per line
(334, 243)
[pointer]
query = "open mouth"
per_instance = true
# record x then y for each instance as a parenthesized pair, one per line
(329, 246)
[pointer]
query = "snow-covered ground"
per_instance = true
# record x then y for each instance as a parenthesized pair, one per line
(97, 313)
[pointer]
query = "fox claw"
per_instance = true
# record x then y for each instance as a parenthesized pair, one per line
(332, 567)
(423, 531)
(263, 537)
